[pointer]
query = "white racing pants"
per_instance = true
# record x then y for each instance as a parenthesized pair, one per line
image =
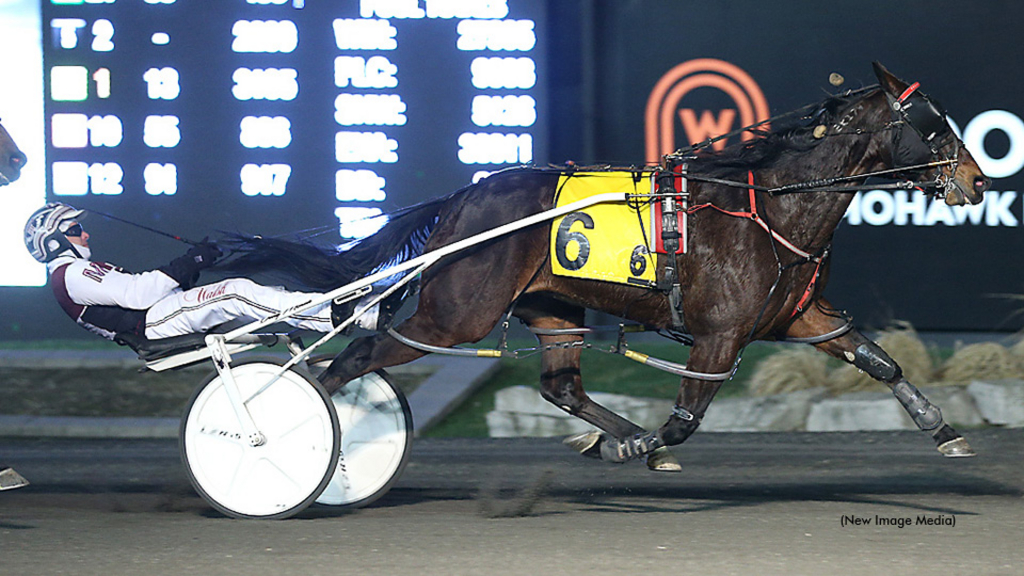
(203, 307)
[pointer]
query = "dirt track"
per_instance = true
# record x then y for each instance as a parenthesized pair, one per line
(745, 504)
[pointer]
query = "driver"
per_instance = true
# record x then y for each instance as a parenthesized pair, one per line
(107, 300)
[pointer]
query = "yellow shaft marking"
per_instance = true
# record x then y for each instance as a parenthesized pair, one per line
(641, 358)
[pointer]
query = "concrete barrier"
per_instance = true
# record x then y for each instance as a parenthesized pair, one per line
(520, 411)
(858, 411)
(1000, 402)
(775, 413)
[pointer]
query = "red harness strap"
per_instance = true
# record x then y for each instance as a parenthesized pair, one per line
(753, 215)
(910, 90)
(809, 291)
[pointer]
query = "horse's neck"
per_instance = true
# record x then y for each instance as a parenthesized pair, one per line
(810, 218)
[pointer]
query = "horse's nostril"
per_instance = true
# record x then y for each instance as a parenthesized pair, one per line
(981, 183)
(18, 160)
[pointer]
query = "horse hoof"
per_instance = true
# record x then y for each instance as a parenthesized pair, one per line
(9, 479)
(661, 460)
(956, 448)
(587, 443)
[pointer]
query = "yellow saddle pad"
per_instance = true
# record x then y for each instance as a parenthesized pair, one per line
(606, 241)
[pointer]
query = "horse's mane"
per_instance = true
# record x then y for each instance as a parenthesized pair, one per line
(767, 148)
(323, 267)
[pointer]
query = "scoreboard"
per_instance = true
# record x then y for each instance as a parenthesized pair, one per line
(275, 116)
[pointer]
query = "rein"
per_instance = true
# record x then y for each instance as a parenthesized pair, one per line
(828, 184)
(146, 228)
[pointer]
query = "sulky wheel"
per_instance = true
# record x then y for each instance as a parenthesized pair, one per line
(298, 452)
(376, 436)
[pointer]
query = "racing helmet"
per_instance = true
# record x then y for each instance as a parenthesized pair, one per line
(44, 231)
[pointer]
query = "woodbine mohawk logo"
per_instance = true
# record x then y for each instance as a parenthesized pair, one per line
(671, 122)
(667, 105)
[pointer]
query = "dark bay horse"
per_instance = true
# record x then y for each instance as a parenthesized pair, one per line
(12, 160)
(738, 284)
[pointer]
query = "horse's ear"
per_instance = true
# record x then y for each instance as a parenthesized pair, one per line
(890, 83)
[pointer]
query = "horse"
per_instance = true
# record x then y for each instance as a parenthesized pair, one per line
(12, 159)
(759, 276)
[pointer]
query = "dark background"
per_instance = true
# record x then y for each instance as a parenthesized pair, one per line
(968, 55)
(597, 62)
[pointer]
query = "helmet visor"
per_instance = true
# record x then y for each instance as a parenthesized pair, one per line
(74, 231)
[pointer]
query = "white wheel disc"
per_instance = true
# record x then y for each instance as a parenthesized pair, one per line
(376, 432)
(284, 474)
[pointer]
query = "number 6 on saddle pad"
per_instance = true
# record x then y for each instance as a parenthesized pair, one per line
(610, 241)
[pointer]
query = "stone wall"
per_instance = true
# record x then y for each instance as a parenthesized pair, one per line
(520, 411)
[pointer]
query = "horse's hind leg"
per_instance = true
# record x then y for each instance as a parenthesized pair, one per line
(433, 323)
(562, 381)
(854, 348)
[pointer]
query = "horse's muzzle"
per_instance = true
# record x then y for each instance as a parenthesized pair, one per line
(973, 195)
(967, 190)
(982, 184)
(12, 170)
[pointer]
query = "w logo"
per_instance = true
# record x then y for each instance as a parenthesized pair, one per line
(731, 100)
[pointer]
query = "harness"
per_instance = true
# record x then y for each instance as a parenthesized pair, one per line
(753, 215)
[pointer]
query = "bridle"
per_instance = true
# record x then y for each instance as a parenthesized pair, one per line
(927, 118)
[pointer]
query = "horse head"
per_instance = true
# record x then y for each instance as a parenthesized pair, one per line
(922, 137)
(11, 159)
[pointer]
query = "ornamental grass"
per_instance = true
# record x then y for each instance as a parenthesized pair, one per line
(796, 367)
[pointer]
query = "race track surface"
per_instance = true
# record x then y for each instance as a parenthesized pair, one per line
(761, 504)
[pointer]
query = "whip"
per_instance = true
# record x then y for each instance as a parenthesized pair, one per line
(154, 230)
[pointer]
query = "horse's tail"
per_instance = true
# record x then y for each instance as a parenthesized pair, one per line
(323, 268)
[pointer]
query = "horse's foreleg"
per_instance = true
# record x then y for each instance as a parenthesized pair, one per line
(709, 355)
(561, 384)
(855, 348)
